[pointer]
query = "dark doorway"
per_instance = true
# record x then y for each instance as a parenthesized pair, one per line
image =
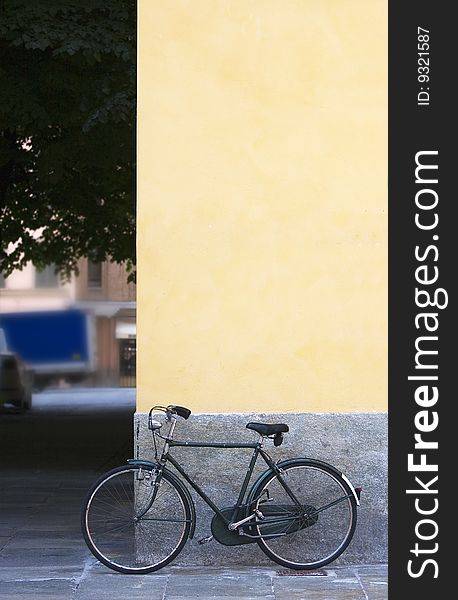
(127, 362)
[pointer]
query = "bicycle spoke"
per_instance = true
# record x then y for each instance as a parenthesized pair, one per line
(118, 538)
(331, 504)
(315, 534)
(112, 529)
(110, 507)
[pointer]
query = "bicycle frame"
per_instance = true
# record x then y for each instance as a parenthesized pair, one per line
(257, 450)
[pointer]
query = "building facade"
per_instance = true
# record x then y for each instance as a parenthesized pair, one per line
(262, 238)
(102, 289)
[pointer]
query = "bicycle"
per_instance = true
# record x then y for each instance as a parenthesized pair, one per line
(301, 512)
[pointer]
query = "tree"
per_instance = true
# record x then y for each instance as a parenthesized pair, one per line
(67, 132)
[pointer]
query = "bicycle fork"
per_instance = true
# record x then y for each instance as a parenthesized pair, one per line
(154, 484)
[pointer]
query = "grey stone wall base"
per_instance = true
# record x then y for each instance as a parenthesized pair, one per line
(354, 443)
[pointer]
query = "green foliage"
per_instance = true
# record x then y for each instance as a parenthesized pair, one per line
(67, 131)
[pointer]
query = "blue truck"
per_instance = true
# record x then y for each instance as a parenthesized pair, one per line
(53, 344)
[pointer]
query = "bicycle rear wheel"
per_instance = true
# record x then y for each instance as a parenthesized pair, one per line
(131, 528)
(317, 531)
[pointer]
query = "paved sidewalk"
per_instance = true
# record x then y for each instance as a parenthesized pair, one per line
(43, 557)
(95, 582)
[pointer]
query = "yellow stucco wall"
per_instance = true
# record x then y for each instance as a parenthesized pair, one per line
(262, 205)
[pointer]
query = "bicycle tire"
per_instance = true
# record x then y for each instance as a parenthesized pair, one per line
(306, 546)
(132, 542)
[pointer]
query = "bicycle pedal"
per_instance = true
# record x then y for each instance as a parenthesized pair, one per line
(205, 540)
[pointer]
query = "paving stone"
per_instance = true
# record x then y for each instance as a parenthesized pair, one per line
(45, 523)
(116, 586)
(224, 585)
(27, 557)
(203, 596)
(372, 570)
(195, 571)
(22, 498)
(51, 542)
(29, 534)
(50, 589)
(20, 574)
(7, 529)
(15, 519)
(308, 589)
(375, 586)
(4, 540)
(341, 584)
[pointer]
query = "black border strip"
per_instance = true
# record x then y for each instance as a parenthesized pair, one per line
(421, 123)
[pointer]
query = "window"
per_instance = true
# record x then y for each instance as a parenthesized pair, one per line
(94, 274)
(47, 277)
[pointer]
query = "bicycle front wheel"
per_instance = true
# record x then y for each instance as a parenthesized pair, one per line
(312, 531)
(133, 525)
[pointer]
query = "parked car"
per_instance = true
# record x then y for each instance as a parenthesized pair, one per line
(15, 379)
(15, 382)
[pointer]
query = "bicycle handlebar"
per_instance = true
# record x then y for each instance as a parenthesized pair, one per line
(170, 410)
(181, 411)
